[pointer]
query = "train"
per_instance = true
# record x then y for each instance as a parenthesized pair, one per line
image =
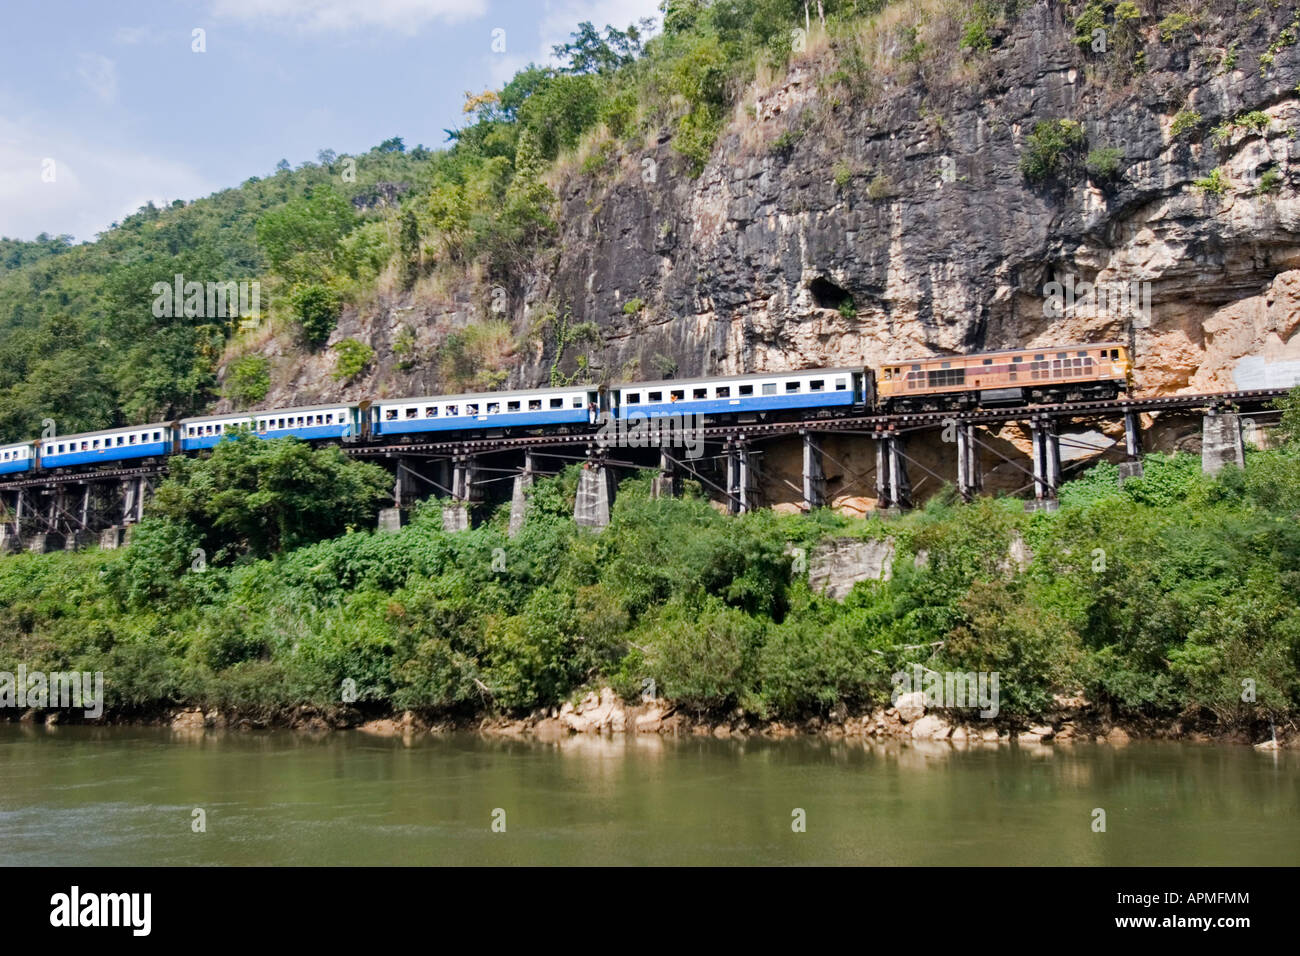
(1060, 373)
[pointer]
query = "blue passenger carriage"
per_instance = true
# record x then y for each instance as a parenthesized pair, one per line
(17, 458)
(759, 395)
(310, 422)
(115, 444)
(484, 410)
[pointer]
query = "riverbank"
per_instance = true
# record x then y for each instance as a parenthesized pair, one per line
(604, 712)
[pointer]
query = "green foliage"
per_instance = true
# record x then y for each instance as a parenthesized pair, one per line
(1176, 26)
(1104, 163)
(843, 174)
(980, 18)
(633, 306)
(1155, 599)
(248, 380)
(1048, 147)
(259, 497)
(353, 357)
(1270, 182)
(301, 239)
(1215, 184)
(317, 308)
(1184, 121)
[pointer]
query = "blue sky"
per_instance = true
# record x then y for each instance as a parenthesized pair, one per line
(113, 94)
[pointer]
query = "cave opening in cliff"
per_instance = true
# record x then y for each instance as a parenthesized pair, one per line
(828, 295)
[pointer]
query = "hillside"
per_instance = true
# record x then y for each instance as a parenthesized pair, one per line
(730, 193)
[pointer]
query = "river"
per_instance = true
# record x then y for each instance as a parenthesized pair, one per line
(105, 796)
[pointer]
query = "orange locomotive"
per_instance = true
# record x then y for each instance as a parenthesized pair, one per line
(1059, 373)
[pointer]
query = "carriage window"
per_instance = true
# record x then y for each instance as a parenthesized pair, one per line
(534, 404)
(430, 411)
(746, 390)
(512, 406)
(493, 408)
(769, 388)
(121, 440)
(634, 398)
(85, 446)
(841, 385)
(1018, 358)
(676, 395)
(700, 393)
(411, 412)
(453, 409)
(723, 392)
(792, 387)
(130, 439)
(655, 397)
(1062, 354)
(390, 414)
(559, 402)
(988, 361)
(577, 401)
(1081, 354)
(471, 409)
(1039, 358)
(817, 385)
(1114, 353)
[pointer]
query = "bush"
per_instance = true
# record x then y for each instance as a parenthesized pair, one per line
(1048, 146)
(317, 308)
(1104, 163)
(352, 358)
(1215, 184)
(1184, 121)
(249, 380)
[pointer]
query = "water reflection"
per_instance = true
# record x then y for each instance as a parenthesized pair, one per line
(77, 795)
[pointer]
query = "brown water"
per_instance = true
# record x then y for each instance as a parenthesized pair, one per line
(77, 796)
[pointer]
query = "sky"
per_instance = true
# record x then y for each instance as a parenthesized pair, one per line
(108, 104)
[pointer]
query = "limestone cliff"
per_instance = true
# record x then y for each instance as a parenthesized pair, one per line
(843, 223)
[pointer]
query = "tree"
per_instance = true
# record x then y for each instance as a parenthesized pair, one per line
(261, 497)
(317, 308)
(301, 238)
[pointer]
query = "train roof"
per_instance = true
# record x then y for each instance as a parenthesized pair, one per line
(484, 396)
(106, 431)
(743, 375)
(1020, 351)
(286, 410)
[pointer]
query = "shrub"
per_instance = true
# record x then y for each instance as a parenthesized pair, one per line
(1184, 121)
(1175, 26)
(633, 306)
(248, 380)
(1215, 184)
(317, 308)
(1048, 146)
(1104, 162)
(351, 358)
(1269, 182)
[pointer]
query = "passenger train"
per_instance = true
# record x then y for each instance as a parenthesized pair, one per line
(1063, 373)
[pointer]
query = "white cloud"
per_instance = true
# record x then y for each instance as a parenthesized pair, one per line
(99, 74)
(93, 185)
(556, 20)
(404, 16)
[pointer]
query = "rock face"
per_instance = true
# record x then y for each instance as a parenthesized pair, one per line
(846, 227)
(836, 565)
(745, 267)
